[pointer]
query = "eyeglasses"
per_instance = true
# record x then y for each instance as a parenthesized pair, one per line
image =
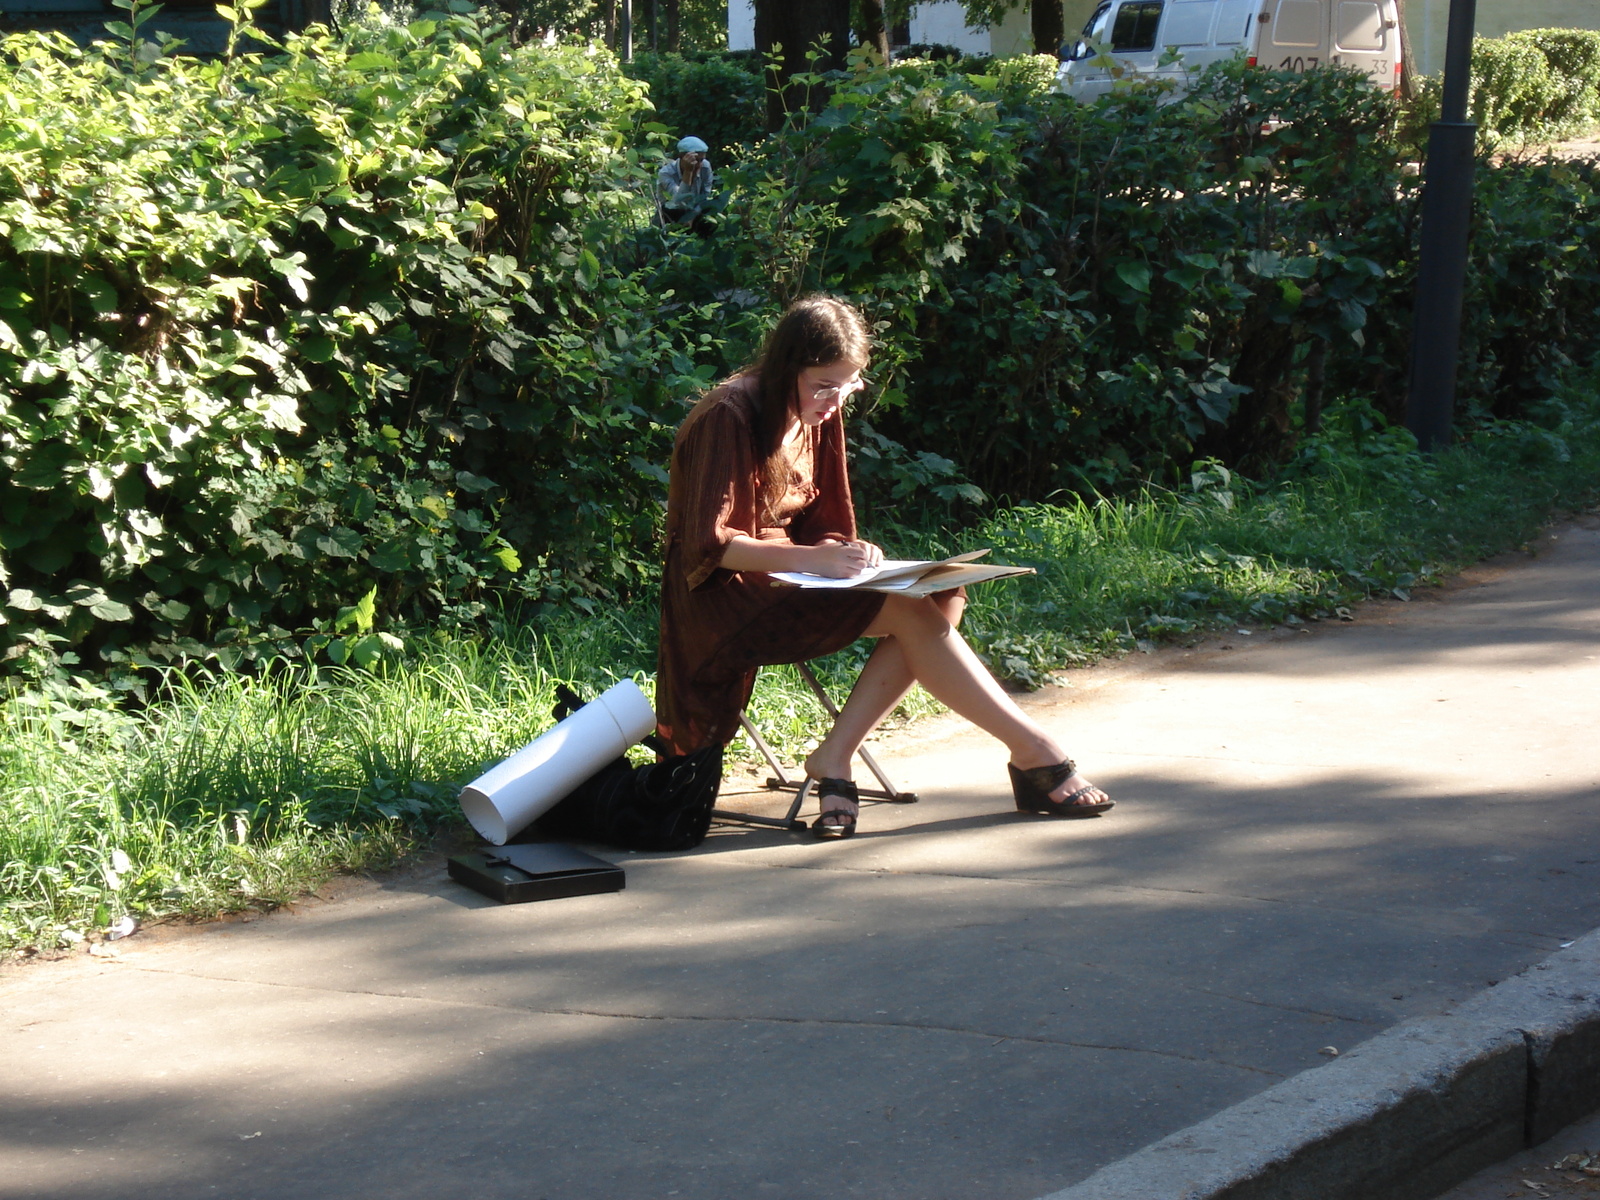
(838, 391)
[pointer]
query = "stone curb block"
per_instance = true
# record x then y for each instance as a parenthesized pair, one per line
(1403, 1116)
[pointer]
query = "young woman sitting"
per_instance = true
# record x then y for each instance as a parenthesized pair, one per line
(759, 485)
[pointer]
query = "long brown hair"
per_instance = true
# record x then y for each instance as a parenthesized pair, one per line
(813, 331)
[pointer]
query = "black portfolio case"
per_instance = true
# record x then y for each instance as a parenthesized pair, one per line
(538, 871)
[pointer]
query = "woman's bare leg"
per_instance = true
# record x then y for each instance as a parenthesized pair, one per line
(882, 684)
(928, 647)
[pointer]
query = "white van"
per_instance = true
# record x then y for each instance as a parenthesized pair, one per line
(1282, 35)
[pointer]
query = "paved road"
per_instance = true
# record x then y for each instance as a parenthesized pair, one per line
(1318, 835)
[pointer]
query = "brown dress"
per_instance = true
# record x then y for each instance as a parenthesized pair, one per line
(719, 626)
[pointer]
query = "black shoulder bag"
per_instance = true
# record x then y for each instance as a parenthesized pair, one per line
(664, 805)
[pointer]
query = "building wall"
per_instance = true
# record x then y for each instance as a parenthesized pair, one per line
(193, 22)
(945, 24)
(941, 22)
(1077, 13)
(1427, 21)
(741, 25)
(1014, 35)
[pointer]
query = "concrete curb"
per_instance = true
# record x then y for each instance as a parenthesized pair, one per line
(1404, 1116)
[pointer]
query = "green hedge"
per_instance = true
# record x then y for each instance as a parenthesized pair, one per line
(1536, 83)
(719, 99)
(1573, 56)
(1072, 296)
(1513, 86)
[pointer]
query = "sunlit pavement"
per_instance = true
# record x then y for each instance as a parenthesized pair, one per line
(1318, 834)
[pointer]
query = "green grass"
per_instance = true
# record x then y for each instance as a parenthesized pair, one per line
(228, 792)
(233, 791)
(1339, 527)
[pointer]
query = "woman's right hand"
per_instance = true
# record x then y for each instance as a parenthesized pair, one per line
(841, 560)
(833, 558)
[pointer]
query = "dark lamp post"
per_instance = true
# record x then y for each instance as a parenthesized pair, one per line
(1442, 269)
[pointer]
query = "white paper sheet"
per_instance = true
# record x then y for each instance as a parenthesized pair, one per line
(891, 575)
(888, 567)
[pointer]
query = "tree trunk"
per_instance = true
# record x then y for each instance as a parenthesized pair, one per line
(1408, 69)
(873, 31)
(674, 39)
(1316, 382)
(793, 27)
(1049, 29)
(308, 12)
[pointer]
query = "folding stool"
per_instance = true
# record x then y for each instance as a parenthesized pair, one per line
(780, 780)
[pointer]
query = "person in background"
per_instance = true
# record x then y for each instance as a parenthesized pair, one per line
(683, 192)
(759, 484)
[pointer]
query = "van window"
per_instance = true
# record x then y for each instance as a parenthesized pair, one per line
(1360, 26)
(1136, 24)
(1094, 28)
(1234, 19)
(1189, 23)
(1297, 23)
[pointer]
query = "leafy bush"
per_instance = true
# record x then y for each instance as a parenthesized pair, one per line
(279, 382)
(1027, 75)
(1573, 56)
(720, 101)
(1513, 88)
(1069, 295)
(284, 332)
(1533, 283)
(1417, 115)
(1536, 83)
(1076, 298)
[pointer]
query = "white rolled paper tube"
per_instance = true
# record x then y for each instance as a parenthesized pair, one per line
(507, 798)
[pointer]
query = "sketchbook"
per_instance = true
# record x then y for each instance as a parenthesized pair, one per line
(911, 577)
(535, 871)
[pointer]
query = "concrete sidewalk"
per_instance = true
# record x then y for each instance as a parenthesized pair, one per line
(1318, 835)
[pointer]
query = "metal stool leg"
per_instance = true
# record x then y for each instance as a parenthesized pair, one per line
(780, 780)
(889, 791)
(802, 789)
